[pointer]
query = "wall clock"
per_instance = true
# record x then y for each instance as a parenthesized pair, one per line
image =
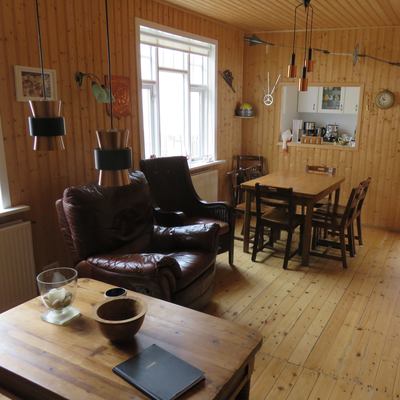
(384, 99)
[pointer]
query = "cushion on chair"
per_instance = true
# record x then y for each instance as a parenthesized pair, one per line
(223, 226)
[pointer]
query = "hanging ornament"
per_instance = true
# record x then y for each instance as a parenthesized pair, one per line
(268, 98)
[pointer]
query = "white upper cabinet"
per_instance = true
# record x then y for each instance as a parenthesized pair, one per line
(331, 99)
(308, 101)
(351, 100)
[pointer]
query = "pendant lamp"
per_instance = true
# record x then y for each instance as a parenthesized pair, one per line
(303, 81)
(46, 125)
(292, 69)
(113, 157)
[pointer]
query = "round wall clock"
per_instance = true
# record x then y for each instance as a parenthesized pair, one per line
(384, 99)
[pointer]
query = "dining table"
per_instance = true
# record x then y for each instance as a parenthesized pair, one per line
(308, 189)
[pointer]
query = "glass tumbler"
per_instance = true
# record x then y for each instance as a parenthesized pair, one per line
(57, 287)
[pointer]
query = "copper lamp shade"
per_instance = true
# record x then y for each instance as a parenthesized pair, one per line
(303, 81)
(292, 69)
(310, 61)
(46, 125)
(113, 157)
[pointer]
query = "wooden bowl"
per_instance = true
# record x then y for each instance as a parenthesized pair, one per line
(120, 319)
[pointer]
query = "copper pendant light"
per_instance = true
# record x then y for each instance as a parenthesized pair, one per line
(303, 81)
(292, 69)
(113, 157)
(46, 125)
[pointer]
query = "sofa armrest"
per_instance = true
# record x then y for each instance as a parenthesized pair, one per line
(136, 265)
(169, 218)
(220, 210)
(202, 237)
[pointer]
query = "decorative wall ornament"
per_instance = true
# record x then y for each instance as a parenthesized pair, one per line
(254, 40)
(121, 95)
(228, 78)
(268, 98)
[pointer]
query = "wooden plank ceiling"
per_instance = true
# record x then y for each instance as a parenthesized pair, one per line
(271, 15)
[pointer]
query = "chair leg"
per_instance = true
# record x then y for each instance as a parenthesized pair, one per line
(256, 241)
(314, 238)
(342, 237)
(301, 240)
(287, 250)
(359, 234)
(231, 250)
(350, 240)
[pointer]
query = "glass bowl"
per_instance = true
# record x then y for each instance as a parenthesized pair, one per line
(57, 287)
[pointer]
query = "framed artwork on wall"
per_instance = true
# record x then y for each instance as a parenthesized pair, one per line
(28, 83)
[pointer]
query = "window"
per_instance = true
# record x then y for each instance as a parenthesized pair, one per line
(178, 95)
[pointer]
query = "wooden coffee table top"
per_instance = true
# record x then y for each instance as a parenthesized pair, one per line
(75, 361)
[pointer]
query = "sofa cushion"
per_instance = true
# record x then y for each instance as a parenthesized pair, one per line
(102, 219)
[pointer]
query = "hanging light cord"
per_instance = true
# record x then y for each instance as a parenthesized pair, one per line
(305, 40)
(40, 48)
(312, 20)
(294, 26)
(109, 65)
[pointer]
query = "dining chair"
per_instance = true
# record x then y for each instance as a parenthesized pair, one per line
(236, 198)
(340, 209)
(340, 225)
(322, 170)
(255, 165)
(282, 218)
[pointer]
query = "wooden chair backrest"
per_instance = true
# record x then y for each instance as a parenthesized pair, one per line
(257, 163)
(285, 195)
(350, 212)
(321, 169)
(234, 186)
(365, 185)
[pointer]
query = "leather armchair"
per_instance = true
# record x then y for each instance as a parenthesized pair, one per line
(177, 203)
(112, 238)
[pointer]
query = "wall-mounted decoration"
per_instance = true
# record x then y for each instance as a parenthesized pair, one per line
(99, 90)
(228, 78)
(268, 98)
(121, 95)
(29, 83)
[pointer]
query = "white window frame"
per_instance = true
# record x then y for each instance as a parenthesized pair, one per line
(5, 200)
(213, 124)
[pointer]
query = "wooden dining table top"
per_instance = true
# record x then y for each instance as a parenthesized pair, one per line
(303, 184)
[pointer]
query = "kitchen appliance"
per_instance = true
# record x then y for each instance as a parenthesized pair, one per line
(332, 133)
(309, 127)
(320, 131)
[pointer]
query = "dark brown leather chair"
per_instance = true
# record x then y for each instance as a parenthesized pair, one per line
(112, 238)
(177, 202)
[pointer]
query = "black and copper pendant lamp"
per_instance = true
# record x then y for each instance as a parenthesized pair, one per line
(113, 157)
(46, 125)
(307, 61)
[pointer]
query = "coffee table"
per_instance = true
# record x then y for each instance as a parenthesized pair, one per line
(43, 361)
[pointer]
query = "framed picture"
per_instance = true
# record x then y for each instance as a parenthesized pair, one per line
(28, 83)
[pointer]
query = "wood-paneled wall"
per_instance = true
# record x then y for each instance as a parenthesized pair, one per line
(378, 154)
(74, 39)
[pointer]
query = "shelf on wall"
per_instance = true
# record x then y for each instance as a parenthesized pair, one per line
(239, 116)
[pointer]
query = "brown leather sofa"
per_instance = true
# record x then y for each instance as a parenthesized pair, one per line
(112, 238)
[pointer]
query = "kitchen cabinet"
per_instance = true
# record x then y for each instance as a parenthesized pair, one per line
(351, 100)
(331, 99)
(308, 101)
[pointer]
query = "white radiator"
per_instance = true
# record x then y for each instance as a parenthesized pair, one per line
(17, 265)
(206, 185)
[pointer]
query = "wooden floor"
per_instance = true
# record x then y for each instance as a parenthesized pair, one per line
(328, 333)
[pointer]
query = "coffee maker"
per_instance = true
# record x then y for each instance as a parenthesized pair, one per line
(309, 128)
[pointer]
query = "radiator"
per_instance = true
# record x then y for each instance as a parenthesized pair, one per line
(17, 265)
(206, 185)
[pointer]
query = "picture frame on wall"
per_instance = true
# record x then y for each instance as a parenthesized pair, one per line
(28, 83)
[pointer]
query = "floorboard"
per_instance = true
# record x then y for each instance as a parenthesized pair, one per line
(329, 333)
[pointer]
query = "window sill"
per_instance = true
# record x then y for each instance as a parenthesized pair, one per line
(195, 167)
(5, 212)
